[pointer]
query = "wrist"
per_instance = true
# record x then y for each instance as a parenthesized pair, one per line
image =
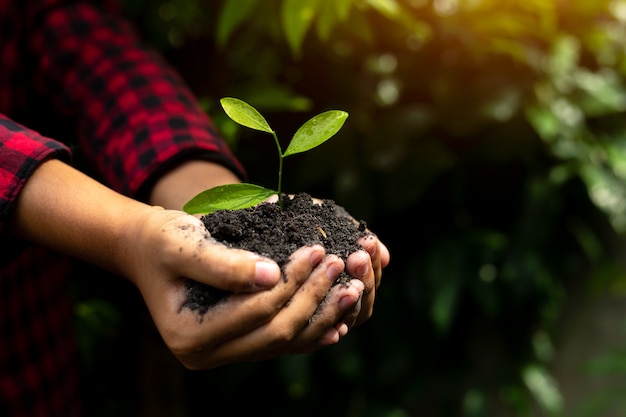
(131, 237)
(65, 210)
(182, 183)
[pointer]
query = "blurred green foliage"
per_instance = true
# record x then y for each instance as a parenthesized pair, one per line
(609, 366)
(486, 147)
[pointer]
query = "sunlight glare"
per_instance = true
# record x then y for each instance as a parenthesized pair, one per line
(618, 9)
(387, 63)
(446, 7)
(387, 92)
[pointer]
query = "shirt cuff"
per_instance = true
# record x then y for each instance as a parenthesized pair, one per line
(21, 151)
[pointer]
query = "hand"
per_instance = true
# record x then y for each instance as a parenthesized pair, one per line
(264, 317)
(182, 183)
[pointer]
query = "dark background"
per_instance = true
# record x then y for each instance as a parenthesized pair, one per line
(485, 146)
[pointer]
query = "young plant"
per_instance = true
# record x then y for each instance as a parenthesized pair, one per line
(239, 196)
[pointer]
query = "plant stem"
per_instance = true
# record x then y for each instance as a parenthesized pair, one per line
(280, 171)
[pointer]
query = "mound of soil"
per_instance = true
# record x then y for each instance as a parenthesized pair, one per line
(276, 234)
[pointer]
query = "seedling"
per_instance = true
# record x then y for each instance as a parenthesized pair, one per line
(311, 134)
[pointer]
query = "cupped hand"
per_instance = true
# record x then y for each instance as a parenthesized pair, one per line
(267, 314)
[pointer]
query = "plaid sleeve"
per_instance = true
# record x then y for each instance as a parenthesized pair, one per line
(134, 114)
(21, 152)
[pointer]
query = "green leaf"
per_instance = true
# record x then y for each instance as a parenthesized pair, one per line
(278, 97)
(327, 20)
(227, 197)
(444, 305)
(343, 8)
(331, 13)
(244, 114)
(233, 13)
(387, 8)
(316, 131)
(297, 16)
(544, 388)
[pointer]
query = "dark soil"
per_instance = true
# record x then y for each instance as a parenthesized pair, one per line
(276, 234)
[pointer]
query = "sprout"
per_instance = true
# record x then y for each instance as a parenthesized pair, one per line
(311, 134)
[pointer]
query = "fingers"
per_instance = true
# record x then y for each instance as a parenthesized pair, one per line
(343, 301)
(239, 317)
(244, 308)
(336, 307)
(378, 253)
(367, 266)
(359, 266)
(297, 325)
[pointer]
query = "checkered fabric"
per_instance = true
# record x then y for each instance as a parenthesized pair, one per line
(77, 68)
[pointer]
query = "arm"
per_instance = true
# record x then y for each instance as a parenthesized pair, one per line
(157, 249)
(46, 201)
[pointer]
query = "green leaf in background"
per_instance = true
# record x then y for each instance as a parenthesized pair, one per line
(389, 8)
(244, 114)
(444, 305)
(316, 131)
(97, 321)
(327, 20)
(343, 8)
(278, 98)
(227, 197)
(233, 13)
(543, 387)
(330, 15)
(297, 16)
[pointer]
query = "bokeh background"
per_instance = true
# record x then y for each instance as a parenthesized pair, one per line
(486, 146)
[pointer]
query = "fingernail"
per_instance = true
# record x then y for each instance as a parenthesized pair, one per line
(346, 302)
(316, 258)
(267, 274)
(333, 272)
(362, 269)
(342, 329)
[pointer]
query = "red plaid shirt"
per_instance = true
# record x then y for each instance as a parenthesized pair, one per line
(70, 69)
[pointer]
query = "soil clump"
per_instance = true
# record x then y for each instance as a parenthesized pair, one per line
(276, 234)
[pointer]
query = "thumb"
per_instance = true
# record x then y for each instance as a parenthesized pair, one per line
(194, 254)
(234, 270)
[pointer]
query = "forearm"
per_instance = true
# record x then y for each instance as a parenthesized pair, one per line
(63, 209)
